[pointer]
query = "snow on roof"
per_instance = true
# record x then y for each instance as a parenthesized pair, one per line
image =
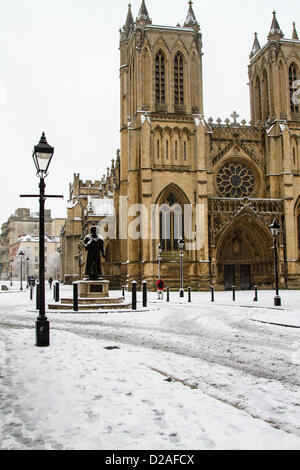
(35, 239)
(102, 207)
(177, 28)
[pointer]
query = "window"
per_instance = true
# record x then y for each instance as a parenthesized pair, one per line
(293, 88)
(184, 150)
(176, 149)
(178, 79)
(258, 99)
(157, 148)
(160, 77)
(265, 97)
(294, 156)
(235, 179)
(171, 220)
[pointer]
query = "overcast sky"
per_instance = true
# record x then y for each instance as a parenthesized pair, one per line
(59, 73)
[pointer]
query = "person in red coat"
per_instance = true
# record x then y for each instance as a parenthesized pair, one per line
(160, 289)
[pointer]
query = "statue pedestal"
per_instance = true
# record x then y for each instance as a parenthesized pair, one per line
(93, 297)
(93, 289)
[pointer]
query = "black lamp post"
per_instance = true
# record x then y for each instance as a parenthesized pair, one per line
(21, 254)
(275, 230)
(27, 273)
(181, 246)
(159, 249)
(42, 156)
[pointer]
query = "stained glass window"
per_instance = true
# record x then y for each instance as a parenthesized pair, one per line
(235, 179)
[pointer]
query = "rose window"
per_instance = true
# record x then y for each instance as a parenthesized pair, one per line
(235, 179)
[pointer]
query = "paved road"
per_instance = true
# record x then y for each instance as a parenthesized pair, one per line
(216, 347)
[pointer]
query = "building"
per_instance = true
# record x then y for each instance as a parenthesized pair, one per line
(89, 203)
(29, 246)
(217, 184)
(21, 233)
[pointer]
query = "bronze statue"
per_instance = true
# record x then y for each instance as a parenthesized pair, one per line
(94, 245)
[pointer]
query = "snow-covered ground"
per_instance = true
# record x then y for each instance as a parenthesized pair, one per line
(173, 376)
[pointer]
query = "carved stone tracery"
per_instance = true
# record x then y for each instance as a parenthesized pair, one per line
(235, 179)
(223, 211)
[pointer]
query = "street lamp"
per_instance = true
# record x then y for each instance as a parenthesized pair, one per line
(275, 230)
(42, 156)
(21, 254)
(159, 249)
(181, 247)
(27, 265)
(11, 266)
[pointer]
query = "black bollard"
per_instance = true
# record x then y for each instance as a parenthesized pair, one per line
(255, 298)
(144, 293)
(31, 292)
(57, 291)
(133, 295)
(123, 292)
(75, 296)
(37, 295)
(168, 293)
(189, 294)
(233, 293)
(212, 293)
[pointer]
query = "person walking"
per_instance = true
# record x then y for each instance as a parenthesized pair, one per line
(160, 289)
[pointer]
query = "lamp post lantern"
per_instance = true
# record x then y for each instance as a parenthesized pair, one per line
(275, 230)
(21, 254)
(181, 247)
(159, 249)
(42, 156)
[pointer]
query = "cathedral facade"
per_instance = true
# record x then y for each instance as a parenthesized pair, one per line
(216, 185)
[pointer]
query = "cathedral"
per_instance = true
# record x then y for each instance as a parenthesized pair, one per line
(218, 186)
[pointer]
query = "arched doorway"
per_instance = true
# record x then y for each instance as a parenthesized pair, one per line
(244, 254)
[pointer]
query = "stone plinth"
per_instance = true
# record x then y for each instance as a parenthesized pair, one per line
(93, 296)
(93, 289)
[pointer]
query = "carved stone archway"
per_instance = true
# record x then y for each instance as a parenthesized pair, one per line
(244, 254)
(241, 244)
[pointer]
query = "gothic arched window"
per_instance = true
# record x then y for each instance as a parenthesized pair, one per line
(160, 90)
(178, 79)
(258, 114)
(265, 97)
(171, 222)
(293, 88)
(282, 89)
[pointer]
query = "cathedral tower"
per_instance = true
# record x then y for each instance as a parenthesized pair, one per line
(161, 107)
(274, 70)
(274, 76)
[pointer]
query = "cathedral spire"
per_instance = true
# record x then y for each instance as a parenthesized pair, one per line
(129, 25)
(129, 19)
(143, 14)
(275, 33)
(295, 34)
(191, 18)
(256, 46)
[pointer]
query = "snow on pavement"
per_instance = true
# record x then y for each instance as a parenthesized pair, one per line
(233, 382)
